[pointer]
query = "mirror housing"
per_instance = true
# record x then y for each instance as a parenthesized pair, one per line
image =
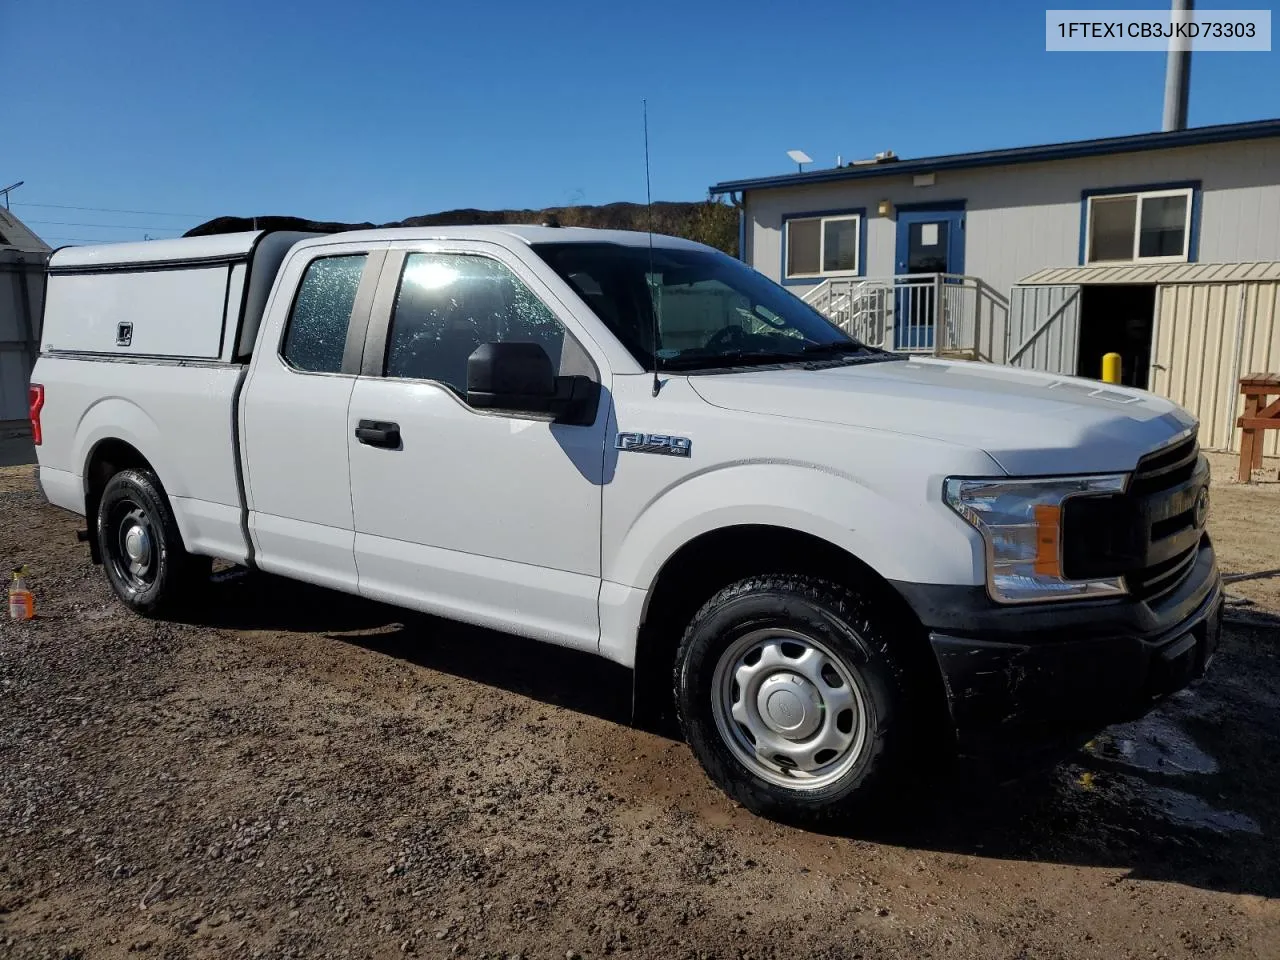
(519, 377)
(511, 376)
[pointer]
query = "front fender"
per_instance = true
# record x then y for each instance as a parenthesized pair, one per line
(906, 537)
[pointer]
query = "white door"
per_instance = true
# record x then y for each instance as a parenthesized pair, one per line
(492, 518)
(294, 418)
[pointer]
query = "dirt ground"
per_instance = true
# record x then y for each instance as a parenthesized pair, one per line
(298, 774)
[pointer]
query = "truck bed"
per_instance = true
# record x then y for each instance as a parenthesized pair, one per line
(181, 413)
(145, 346)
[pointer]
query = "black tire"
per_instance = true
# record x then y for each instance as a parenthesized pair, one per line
(874, 655)
(168, 574)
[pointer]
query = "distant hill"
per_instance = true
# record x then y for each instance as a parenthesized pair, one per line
(711, 223)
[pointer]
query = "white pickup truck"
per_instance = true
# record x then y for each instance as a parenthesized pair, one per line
(843, 560)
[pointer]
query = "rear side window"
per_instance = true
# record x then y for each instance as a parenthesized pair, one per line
(317, 333)
(449, 304)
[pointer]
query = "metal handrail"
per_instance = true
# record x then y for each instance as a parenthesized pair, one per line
(944, 313)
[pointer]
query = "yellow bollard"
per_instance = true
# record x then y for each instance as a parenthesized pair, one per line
(1111, 368)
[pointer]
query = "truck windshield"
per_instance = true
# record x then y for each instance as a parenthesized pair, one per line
(713, 311)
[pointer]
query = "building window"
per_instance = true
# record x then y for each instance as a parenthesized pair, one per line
(1153, 225)
(823, 246)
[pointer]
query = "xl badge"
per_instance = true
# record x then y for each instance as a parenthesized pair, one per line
(654, 443)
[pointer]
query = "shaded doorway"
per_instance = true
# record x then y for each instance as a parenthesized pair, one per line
(1117, 318)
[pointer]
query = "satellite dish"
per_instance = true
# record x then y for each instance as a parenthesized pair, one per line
(800, 158)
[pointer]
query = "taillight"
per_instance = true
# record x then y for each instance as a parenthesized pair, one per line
(35, 400)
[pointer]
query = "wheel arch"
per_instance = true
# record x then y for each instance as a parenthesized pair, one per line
(716, 558)
(107, 457)
(908, 535)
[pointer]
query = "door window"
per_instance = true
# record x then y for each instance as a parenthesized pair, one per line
(449, 304)
(927, 247)
(317, 333)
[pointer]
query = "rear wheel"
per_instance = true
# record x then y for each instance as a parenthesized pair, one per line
(794, 697)
(142, 551)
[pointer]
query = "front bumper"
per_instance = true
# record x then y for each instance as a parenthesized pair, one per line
(1028, 679)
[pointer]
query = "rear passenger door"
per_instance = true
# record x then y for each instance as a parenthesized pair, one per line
(484, 516)
(294, 414)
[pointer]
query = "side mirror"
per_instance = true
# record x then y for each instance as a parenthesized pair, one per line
(511, 376)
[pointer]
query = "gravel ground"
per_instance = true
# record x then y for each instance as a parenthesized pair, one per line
(295, 774)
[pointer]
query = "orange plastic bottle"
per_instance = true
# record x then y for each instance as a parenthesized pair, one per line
(22, 604)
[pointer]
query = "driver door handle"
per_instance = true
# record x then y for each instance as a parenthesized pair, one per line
(379, 433)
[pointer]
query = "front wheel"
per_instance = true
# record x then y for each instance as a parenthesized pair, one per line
(142, 550)
(795, 697)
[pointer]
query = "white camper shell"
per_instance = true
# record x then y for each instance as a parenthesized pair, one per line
(188, 299)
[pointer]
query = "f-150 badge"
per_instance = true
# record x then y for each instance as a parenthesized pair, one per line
(654, 443)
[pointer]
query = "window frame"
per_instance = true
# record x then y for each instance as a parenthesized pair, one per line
(1190, 235)
(858, 214)
(357, 320)
(378, 334)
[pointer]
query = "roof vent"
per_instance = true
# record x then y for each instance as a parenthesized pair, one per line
(884, 156)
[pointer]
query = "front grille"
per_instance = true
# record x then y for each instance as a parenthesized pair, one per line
(1164, 489)
(1165, 469)
(1148, 535)
(1171, 525)
(1163, 578)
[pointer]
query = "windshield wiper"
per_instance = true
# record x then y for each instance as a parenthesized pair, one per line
(840, 346)
(743, 358)
(851, 351)
(732, 358)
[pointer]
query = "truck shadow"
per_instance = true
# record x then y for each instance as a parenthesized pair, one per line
(553, 675)
(1094, 814)
(1189, 795)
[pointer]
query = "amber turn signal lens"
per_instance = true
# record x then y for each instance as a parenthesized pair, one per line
(1048, 539)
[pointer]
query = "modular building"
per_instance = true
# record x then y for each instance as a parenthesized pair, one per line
(1162, 247)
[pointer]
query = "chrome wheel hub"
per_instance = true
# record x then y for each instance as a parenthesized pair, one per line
(137, 543)
(789, 705)
(789, 708)
(132, 549)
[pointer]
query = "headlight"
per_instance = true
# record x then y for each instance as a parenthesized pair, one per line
(1021, 522)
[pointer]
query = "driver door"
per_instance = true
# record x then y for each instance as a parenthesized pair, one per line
(483, 516)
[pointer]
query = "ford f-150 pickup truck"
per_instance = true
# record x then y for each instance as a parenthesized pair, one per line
(839, 559)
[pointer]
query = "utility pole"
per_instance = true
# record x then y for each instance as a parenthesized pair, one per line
(1177, 74)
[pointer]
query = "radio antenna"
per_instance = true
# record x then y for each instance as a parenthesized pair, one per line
(655, 295)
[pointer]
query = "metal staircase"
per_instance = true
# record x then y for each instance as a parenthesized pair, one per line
(938, 314)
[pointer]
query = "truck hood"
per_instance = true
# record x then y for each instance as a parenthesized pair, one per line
(1030, 423)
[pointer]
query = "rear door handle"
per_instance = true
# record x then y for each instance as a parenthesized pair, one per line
(379, 433)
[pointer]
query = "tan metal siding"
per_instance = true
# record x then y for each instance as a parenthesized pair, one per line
(1260, 342)
(1158, 273)
(1207, 336)
(1049, 318)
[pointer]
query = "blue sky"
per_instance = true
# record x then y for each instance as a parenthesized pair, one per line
(380, 110)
